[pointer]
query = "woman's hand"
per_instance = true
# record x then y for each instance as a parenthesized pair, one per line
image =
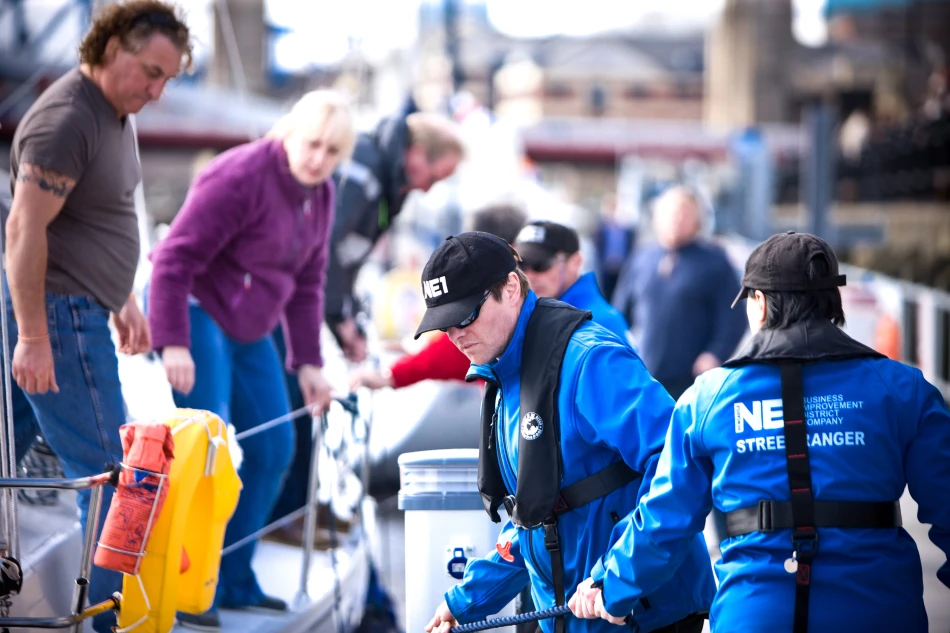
(179, 367)
(314, 387)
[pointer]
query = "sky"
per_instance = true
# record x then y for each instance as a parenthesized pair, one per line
(320, 32)
(323, 31)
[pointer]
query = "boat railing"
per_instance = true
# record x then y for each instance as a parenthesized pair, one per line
(14, 573)
(12, 569)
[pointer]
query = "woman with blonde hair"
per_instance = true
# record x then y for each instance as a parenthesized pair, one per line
(249, 249)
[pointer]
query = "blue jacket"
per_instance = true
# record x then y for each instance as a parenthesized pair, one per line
(585, 294)
(598, 426)
(874, 425)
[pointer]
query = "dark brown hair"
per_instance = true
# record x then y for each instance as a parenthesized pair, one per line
(134, 22)
(785, 308)
(498, 286)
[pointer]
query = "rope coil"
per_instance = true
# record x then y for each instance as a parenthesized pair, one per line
(494, 623)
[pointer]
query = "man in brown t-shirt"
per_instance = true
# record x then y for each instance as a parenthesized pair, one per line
(72, 244)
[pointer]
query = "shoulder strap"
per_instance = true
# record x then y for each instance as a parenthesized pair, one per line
(804, 534)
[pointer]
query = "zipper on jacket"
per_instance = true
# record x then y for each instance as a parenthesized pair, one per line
(534, 561)
(494, 426)
(247, 281)
(298, 225)
(500, 406)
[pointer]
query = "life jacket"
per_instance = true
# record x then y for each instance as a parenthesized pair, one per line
(539, 497)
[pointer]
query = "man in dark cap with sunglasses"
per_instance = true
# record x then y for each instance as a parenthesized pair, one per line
(72, 243)
(571, 426)
(806, 441)
(551, 260)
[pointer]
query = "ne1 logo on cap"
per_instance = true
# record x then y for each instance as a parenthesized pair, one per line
(532, 233)
(432, 288)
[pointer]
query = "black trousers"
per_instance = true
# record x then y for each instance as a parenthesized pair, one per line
(690, 624)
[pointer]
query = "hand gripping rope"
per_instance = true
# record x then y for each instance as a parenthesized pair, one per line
(494, 623)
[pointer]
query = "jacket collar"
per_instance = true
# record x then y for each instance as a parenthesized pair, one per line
(805, 341)
(577, 293)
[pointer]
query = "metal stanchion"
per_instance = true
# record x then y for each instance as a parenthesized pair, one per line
(310, 517)
(85, 562)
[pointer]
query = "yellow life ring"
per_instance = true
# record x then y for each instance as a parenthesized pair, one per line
(203, 492)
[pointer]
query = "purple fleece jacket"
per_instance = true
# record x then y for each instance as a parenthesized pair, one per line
(251, 245)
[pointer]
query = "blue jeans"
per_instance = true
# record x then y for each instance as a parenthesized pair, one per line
(244, 384)
(294, 495)
(81, 422)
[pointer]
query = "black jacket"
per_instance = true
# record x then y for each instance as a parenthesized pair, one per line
(370, 191)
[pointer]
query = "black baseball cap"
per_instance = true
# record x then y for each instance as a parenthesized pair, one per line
(457, 276)
(539, 241)
(780, 263)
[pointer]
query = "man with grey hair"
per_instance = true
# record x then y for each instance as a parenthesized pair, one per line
(676, 295)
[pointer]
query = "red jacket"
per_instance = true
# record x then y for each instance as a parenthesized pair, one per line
(439, 360)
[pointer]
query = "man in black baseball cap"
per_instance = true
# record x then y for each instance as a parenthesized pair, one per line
(782, 263)
(541, 242)
(458, 276)
(565, 401)
(552, 261)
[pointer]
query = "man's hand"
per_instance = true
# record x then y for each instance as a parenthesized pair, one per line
(33, 365)
(442, 621)
(582, 602)
(179, 367)
(135, 337)
(588, 603)
(705, 362)
(352, 340)
(371, 378)
(314, 387)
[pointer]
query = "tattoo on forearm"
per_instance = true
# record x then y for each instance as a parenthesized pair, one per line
(46, 179)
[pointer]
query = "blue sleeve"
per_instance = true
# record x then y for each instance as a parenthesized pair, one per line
(618, 402)
(657, 535)
(927, 466)
(728, 325)
(490, 583)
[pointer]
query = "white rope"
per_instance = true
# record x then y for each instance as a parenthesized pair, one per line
(260, 428)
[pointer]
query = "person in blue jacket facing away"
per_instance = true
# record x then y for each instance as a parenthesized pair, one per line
(570, 422)
(551, 260)
(806, 441)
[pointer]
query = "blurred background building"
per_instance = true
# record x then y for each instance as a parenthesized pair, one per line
(831, 116)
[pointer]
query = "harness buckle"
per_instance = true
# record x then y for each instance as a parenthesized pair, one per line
(552, 541)
(804, 543)
(509, 502)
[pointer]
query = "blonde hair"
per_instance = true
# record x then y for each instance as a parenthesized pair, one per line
(325, 109)
(436, 134)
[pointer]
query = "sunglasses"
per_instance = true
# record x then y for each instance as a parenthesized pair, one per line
(467, 321)
(541, 266)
